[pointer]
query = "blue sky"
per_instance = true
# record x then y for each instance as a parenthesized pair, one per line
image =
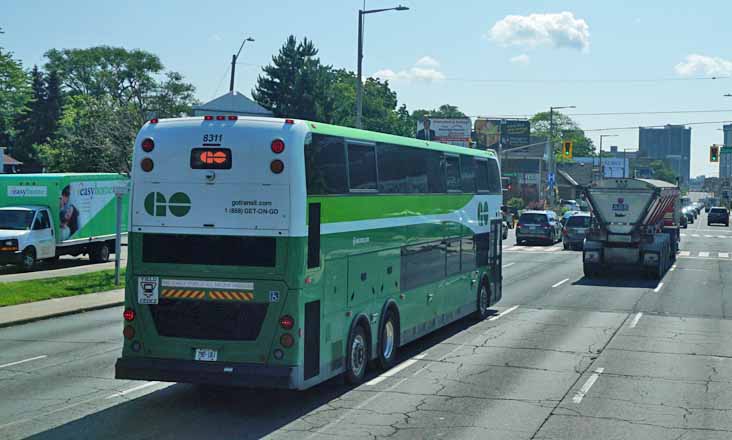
(436, 51)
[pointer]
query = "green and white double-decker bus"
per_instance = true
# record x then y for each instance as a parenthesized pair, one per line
(280, 253)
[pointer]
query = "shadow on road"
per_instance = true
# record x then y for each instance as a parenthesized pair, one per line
(621, 279)
(184, 411)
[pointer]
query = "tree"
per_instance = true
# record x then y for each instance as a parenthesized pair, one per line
(14, 95)
(29, 124)
(565, 128)
(127, 77)
(95, 134)
(295, 84)
(662, 171)
(173, 98)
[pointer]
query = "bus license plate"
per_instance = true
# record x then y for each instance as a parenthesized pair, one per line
(206, 354)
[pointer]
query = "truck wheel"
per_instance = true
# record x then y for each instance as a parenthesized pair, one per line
(590, 270)
(29, 259)
(99, 253)
(357, 356)
(388, 340)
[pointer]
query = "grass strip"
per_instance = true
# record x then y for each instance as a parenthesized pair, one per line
(20, 292)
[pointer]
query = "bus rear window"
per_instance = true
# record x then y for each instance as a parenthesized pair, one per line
(217, 250)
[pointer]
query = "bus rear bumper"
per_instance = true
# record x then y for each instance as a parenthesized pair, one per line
(210, 373)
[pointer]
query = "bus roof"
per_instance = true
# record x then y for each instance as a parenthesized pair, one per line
(353, 133)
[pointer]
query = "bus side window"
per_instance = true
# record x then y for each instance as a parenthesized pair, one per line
(494, 177)
(467, 171)
(362, 167)
(325, 165)
(435, 171)
(452, 173)
(481, 175)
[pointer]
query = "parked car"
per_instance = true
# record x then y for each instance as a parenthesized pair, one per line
(538, 226)
(718, 214)
(575, 230)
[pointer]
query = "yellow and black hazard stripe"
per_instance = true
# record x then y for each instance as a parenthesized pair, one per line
(230, 296)
(183, 293)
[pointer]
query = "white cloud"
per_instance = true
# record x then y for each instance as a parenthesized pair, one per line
(696, 64)
(560, 30)
(520, 59)
(428, 61)
(427, 72)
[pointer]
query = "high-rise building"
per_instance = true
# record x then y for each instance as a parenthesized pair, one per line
(725, 153)
(672, 144)
(727, 129)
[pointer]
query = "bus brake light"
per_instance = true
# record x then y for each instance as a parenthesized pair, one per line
(129, 315)
(220, 117)
(278, 146)
(208, 118)
(287, 322)
(148, 145)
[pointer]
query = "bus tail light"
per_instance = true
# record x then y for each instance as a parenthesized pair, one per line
(128, 332)
(287, 340)
(220, 118)
(289, 121)
(233, 117)
(148, 145)
(147, 164)
(154, 120)
(287, 322)
(277, 166)
(208, 118)
(129, 315)
(278, 146)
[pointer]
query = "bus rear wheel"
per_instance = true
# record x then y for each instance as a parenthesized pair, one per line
(483, 299)
(357, 356)
(388, 340)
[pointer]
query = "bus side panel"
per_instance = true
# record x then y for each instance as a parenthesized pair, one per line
(333, 338)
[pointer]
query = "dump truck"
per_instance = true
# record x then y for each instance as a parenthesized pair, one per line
(44, 216)
(635, 224)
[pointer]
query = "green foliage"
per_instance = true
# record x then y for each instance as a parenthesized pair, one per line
(95, 134)
(516, 202)
(14, 95)
(20, 292)
(662, 171)
(565, 128)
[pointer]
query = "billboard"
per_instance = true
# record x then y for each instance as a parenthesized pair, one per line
(446, 130)
(612, 166)
(511, 133)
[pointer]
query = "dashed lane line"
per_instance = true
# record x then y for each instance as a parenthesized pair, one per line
(393, 372)
(132, 390)
(586, 387)
(23, 361)
(560, 283)
(658, 288)
(503, 313)
(636, 318)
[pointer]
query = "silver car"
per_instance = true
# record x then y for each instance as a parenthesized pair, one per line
(575, 230)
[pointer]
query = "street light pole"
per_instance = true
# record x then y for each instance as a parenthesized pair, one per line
(359, 59)
(233, 62)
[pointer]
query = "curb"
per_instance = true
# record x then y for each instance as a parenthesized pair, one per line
(60, 314)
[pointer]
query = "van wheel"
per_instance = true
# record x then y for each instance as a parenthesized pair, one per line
(357, 356)
(483, 299)
(29, 259)
(99, 253)
(388, 340)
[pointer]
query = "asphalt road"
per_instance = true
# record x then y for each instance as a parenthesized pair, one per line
(563, 358)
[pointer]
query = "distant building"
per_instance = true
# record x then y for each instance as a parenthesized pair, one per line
(727, 129)
(9, 164)
(672, 144)
(725, 162)
(232, 103)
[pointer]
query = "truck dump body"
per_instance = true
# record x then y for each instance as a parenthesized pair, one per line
(635, 223)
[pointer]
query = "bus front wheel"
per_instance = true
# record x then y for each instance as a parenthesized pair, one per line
(388, 340)
(358, 356)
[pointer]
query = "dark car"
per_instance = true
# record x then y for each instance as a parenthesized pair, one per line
(538, 226)
(689, 214)
(683, 221)
(718, 215)
(575, 230)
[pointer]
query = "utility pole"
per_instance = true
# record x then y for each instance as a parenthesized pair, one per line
(359, 59)
(549, 148)
(233, 63)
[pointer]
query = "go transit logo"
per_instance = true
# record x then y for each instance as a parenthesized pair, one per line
(157, 205)
(484, 214)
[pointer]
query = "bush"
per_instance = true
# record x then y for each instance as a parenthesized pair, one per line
(515, 202)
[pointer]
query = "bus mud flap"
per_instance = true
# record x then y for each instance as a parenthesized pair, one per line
(312, 340)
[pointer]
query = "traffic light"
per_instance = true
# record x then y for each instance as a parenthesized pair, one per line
(714, 153)
(567, 149)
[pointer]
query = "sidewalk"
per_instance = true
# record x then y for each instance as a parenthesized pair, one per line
(22, 313)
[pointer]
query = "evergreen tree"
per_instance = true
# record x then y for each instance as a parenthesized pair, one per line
(54, 102)
(295, 84)
(30, 124)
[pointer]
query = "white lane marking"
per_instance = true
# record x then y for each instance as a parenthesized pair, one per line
(703, 254)
(515, 248)
(636, 318)
(503, 313)
(508, 265)
(722, 236)
(724, 255)
(560, 283)
(552, 249)
(132, 390)
(709, 236)
(683, 235)
(684, 253)
(658, 288)
(672, 268)
(395, 370)
(696, 235)
(23, 361)
(586, 387)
